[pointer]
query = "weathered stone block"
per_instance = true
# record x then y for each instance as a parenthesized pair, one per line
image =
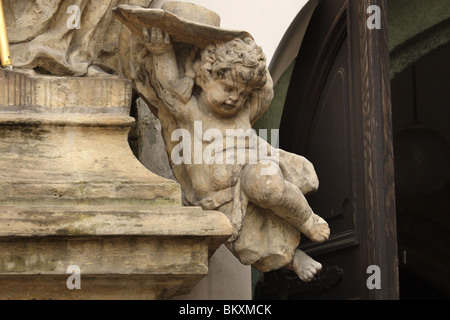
(72, 193)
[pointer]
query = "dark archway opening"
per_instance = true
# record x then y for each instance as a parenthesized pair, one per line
(421, 124)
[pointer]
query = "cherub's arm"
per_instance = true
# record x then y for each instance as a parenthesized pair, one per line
(175, 92)
(261, 100)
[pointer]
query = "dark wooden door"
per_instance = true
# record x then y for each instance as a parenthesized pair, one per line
(338, 115)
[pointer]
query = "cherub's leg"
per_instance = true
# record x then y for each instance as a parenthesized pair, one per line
(285, 200)
(304, 266)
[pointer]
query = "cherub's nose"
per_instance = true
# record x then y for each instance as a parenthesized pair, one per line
(233, 98)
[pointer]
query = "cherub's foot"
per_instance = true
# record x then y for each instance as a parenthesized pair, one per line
(304, 266)
(316, 229)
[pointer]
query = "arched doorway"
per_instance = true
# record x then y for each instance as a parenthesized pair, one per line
(421, 125)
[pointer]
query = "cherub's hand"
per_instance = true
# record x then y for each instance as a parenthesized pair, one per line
(189, 65)
(158, 41)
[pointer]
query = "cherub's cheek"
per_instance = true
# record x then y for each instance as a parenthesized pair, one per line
(221, 98)
(213, 100)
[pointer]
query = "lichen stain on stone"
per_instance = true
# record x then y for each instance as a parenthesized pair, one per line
(18, 263)
(34, 132)
(13, 263)
(70, 232)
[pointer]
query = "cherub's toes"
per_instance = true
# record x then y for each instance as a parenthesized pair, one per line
(320, 233)
(325, 234)
(307, 276)
(317, 267)
(311, 272)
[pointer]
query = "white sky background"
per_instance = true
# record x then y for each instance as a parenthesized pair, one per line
(266, 20)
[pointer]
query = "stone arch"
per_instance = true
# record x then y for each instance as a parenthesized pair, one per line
(282, 65)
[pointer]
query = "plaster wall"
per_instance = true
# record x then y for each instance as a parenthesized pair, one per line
(227, 279)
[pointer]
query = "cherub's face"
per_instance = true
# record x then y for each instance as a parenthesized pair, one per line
(226, 95)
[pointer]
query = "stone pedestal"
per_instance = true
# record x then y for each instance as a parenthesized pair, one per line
(72, 193)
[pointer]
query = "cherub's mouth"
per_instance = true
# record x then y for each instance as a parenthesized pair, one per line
(228, 106)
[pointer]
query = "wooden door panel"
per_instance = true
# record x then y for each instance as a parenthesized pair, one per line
(337, 114)
(330, 150)
(323, 129)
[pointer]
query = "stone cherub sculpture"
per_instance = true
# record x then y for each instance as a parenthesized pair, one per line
(44, 36)
(221, 85)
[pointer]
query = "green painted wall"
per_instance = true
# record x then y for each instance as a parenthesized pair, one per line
(271, 119)
(408, 18)
(416, 28)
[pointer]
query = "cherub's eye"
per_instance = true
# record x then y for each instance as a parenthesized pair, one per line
(229, 89)
(245, 95)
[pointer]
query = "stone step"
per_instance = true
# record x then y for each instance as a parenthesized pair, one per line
(114, 221)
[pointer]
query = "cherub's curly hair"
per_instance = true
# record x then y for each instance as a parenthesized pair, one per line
(242, 55)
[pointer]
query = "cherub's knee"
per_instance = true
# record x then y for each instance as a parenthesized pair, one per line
(263, 190)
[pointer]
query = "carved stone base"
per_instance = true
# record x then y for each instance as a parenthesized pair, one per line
(123, 252)
(72, 193)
